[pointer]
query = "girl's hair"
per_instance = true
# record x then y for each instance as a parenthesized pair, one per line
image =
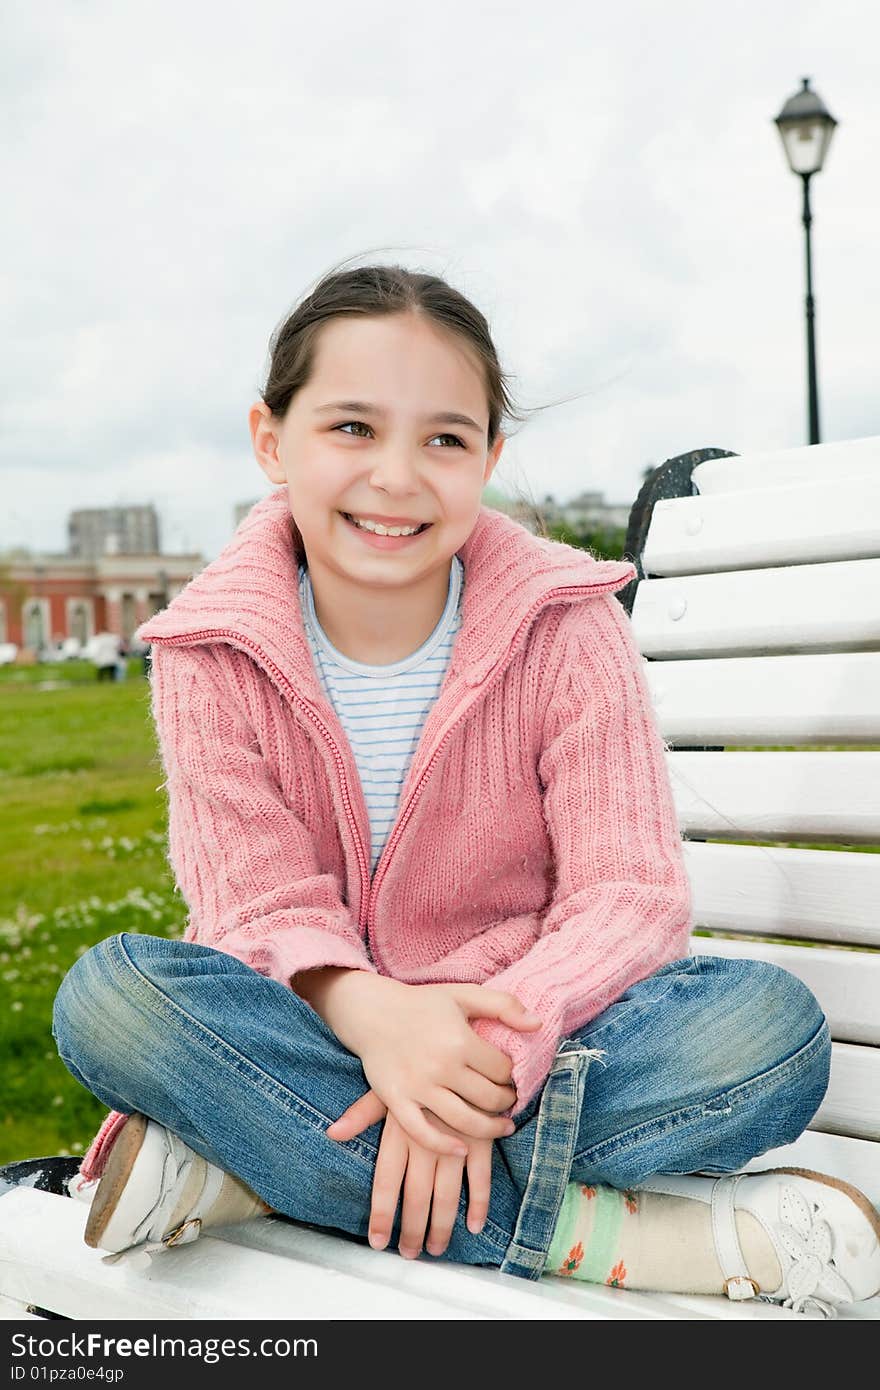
(372, 290)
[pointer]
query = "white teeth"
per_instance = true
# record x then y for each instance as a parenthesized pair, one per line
(381, 530)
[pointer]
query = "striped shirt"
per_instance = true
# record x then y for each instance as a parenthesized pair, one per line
(383, 708)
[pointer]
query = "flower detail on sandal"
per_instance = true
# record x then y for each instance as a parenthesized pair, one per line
(807, 1239)
(630, 1201)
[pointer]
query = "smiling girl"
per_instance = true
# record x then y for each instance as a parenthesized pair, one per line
(435, 988)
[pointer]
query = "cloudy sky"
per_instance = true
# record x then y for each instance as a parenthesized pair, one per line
(603, 180)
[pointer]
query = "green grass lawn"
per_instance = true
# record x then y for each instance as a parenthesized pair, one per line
(82, 856)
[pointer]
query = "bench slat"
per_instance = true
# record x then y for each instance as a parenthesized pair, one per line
(266, 1268)
(853, 1160)
(846, 983)
(769, 890)
(270, 1269)
(796, 608)
(798, 525)
(772, 468)
(852, 1104)
(827, 796)
(768, 700)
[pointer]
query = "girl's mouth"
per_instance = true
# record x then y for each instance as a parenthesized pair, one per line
(385, 542)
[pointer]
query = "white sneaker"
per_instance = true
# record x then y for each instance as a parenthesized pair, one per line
(156, 1192)
(825, 1234)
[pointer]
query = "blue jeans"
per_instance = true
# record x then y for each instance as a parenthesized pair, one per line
(705, 1064)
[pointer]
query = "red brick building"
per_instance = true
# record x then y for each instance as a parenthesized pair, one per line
(46, 598)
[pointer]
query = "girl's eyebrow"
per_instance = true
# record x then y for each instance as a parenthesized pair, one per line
(443, 417)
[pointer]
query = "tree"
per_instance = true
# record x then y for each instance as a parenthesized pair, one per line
(14, 591)
(605, 542)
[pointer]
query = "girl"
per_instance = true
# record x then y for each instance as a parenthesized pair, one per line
(435, 989)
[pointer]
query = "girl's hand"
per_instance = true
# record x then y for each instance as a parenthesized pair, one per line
(431, 1182)
(420, 1054)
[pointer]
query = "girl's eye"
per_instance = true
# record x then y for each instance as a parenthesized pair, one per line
(453, 437)
(350, 422)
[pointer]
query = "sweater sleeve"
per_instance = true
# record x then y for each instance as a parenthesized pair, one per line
(621, 906)
(245, 863)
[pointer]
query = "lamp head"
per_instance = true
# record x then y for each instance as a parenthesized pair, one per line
(805, 126)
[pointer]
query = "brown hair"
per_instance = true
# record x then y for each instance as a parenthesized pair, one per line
(385, 289)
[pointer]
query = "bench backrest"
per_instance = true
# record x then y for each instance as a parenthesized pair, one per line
(758, 612)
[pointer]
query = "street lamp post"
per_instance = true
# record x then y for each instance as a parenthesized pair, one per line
(806, 127)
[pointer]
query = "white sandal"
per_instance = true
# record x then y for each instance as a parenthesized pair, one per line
(825, 1233)
(156, 1193)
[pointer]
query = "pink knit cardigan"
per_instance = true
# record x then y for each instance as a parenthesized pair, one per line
(536, 848)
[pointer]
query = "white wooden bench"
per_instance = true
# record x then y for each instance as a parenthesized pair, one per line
(757, 608)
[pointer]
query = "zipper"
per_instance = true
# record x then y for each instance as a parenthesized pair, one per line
(586, 590)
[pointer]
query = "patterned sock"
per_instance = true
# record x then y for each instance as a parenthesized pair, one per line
(647, 1240)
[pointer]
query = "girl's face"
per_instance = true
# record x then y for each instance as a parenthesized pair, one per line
(385, 451)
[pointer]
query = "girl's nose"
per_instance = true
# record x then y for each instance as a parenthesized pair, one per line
(396, 472)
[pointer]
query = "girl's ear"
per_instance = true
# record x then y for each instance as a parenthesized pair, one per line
(264, 437)
(492, 457)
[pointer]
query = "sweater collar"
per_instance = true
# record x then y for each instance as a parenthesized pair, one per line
(248, 596)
